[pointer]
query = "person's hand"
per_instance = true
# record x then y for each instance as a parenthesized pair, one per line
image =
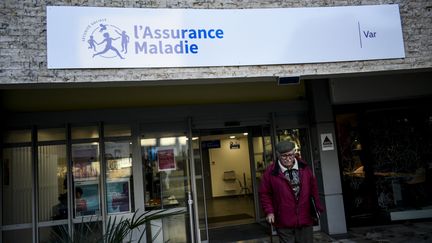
(270, 218)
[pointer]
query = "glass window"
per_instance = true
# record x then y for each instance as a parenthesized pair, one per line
(86, 174)
(51, 134)
(118, 130)
(263, 154)
(52, 182)
(85, 132)
(164, 162)
(200, 187)
(57, 233)
(88, 232)
(22, 236)
(17, 185)
(17, 136)
(173, 228)
(118, 157)
(358, 196)
(385, 156)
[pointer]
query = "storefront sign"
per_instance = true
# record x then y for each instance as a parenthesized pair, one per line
(91, 37)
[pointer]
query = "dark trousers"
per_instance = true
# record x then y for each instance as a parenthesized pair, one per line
(295, 235)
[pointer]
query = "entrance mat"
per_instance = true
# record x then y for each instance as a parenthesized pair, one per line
(228, 218)
(239, 233)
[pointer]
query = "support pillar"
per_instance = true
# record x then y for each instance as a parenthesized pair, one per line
(325, 156)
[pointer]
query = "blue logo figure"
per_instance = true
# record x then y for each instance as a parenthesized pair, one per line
(124, 40)
(108, 45)
(92, 43)
(106, 35)
(103, 27)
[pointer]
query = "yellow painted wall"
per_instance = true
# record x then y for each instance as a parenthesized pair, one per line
(226, 159)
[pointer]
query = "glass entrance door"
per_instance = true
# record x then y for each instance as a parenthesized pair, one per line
(263, 157)
(164, 151)
(225, 172)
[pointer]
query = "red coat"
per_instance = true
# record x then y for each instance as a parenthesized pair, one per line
(277, 196)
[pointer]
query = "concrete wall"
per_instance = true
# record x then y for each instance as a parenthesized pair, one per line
(23, 44)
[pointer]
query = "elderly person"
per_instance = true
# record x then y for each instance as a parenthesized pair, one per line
(286, 188)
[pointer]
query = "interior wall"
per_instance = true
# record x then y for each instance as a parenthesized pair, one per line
(226, 159)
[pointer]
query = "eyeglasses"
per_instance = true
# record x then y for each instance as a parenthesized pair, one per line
(286, 156)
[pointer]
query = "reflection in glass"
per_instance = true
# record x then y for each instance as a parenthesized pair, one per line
(263, 154)
(117, 130)
(86, 171)
(13, 236)
(88, 232)
(385, 159)
(51, 134)
(85, 132)
(164, 168)
(52, 174)
(17, 185)
(57, 233)
(199, 177)
(17, 136)
(174, 229)
(118, 157)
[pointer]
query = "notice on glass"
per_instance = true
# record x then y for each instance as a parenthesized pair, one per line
(166, 159)
(118, 197)
(85, 161)
(86, 199)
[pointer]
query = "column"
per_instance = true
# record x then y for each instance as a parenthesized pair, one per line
(325, 156)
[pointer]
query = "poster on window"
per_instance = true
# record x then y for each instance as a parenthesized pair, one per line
(116, 150)
(119, 159)
(86, 199)
(85, 161)
(118, 197)
(166, 158)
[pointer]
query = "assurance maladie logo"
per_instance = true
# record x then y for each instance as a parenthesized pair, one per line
(105, 40)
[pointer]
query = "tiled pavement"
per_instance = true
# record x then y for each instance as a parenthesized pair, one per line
(420, 232)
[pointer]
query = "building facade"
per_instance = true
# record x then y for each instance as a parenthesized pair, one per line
(82, 146)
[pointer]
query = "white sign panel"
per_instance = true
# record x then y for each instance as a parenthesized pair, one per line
(91, 37)
(327, 142)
